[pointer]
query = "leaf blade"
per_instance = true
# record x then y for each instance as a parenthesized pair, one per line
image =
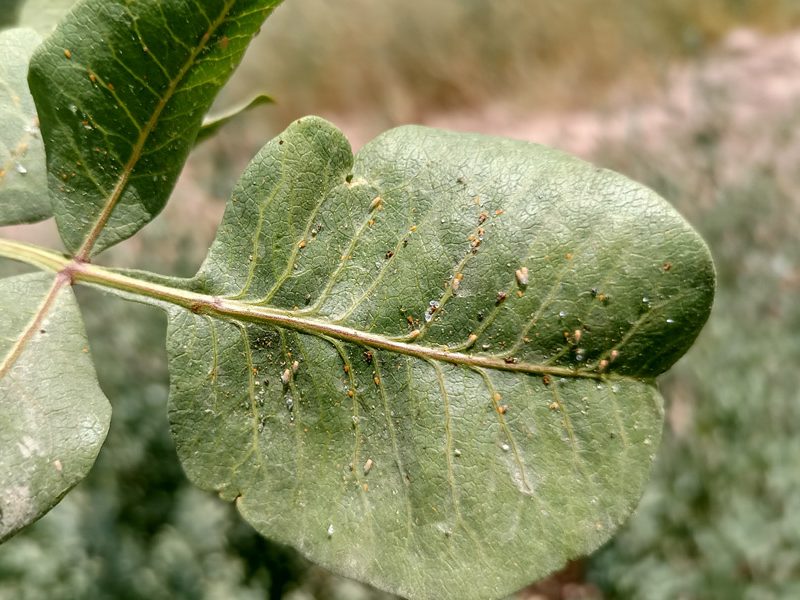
(128, 103)
(23, 179)
(53, 422)
(345, 404)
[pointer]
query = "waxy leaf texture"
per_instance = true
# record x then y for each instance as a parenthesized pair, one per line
(53, 415)
(431, 366)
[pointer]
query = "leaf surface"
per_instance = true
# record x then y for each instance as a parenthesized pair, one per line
(53, 415)
(23, 179)
(431, 367)
(122, 89)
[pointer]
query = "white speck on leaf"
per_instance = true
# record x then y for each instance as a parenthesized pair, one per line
(522, 276)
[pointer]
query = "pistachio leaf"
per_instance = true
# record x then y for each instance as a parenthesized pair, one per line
(431, 367)
(122, 88)
(53, 415)
(23, 180)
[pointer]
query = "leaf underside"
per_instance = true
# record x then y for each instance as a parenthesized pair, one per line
(122, 89)
(53, 415)
(444, 470)
(23, 181)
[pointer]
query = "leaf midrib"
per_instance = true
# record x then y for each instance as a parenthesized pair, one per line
(33, 325)
(122, 183)
(75, 271)
(236, 310)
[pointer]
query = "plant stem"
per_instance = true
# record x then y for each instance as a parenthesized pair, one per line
(43, 258)
(82, 272)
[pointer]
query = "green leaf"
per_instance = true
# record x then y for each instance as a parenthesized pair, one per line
(214, 122)
(431, 367)
(23, 180)
(43, 15)
(53, 415)
(122, 88)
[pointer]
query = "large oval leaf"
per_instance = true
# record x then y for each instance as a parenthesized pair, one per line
(431, 368)
(122, 88)
(23, 181)
(53, 415)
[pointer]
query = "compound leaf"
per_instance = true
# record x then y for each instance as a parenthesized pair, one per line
(432, 367)
(23, 180)
(53, 415)
(122, 88)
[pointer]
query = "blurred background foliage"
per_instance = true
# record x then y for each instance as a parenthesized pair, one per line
(699, 100)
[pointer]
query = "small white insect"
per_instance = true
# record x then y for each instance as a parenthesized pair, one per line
(522, 276)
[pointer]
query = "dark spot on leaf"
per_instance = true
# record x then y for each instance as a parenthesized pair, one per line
(349, 178)
(368, 357)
